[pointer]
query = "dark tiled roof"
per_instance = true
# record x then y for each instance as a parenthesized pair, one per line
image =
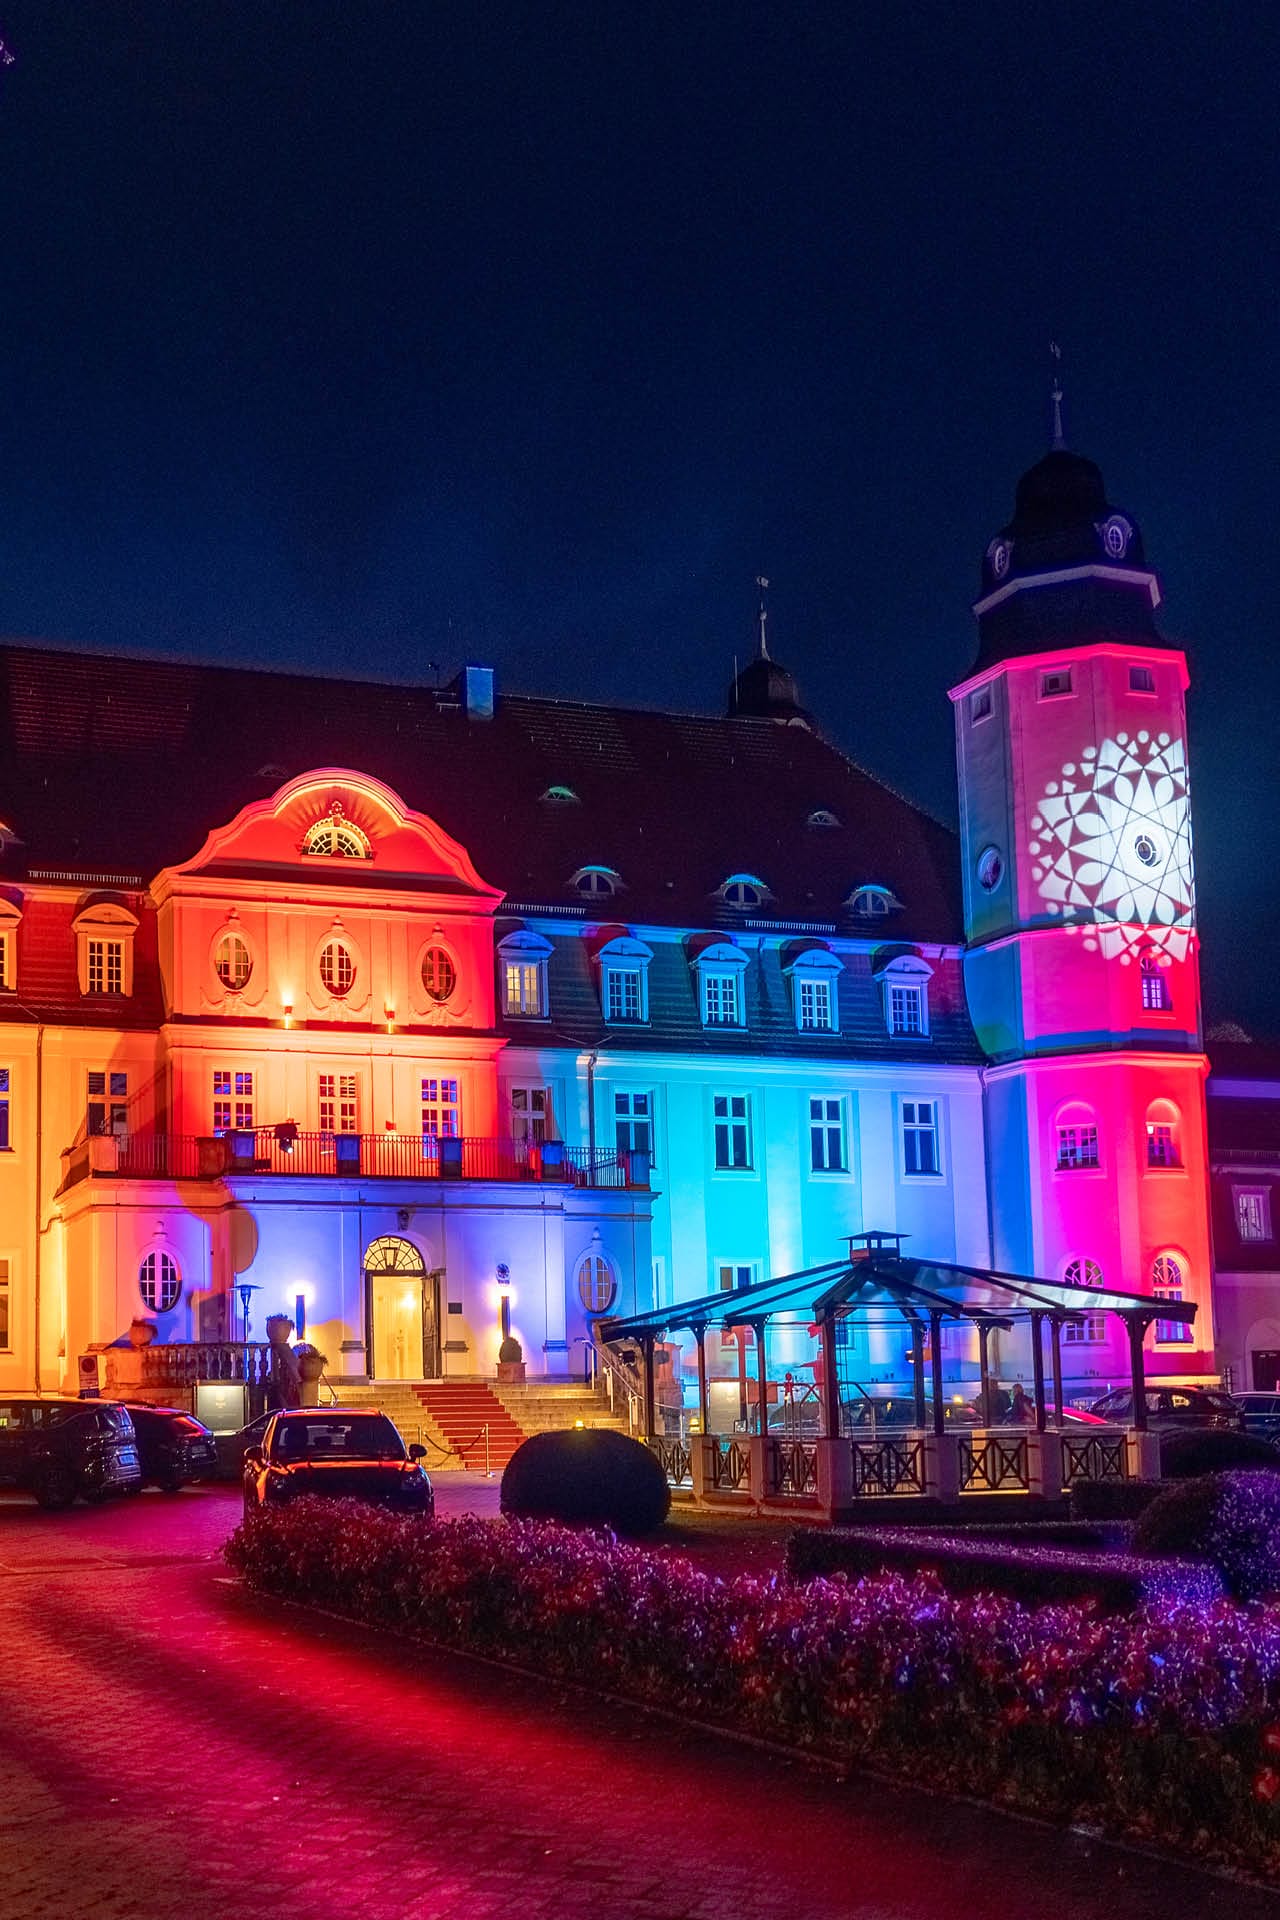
(121, 766)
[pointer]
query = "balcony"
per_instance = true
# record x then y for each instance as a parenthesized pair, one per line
(366, 1156)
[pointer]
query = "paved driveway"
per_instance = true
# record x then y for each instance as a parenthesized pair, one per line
(173, 1750)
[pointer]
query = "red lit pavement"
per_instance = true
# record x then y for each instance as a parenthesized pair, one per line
(173, 1750)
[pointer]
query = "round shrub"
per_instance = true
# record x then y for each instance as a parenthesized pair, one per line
(1230, 1519)
(587, 1476)
(1197, 1450)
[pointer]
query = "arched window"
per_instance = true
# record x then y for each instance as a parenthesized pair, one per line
(822, 817)
(872, 903)
(560, 797)
(390, 1254)
(1076, 1148)
(158, 1283)
(1156, 997)
(1092, 1330)
(1163, 1149)
(439, 975)
(743, 891)
(1167, 1281)
(337, 968)
(232, 962)
(596, 883)
(596, 1283)
(336, 837)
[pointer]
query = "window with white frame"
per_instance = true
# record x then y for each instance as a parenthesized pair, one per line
(105, 966)
(441, 1109)
(814, 973)
(232, 1100)
(522, 957)
(337, 968)
(336, 838)
(1167, 1281)
(904, 982)
(104, 949)
(1091, 1330)
(813, 1005)
(1253, 1212)
(1162, 1144)
(743, 891)
(338, 1101)
(721, 1000)
(530, 1114)
(596, 883)
(232, 962)
(439, 975)
(4, 1304)
(731, 1124)
(733, 1275)
(9, 918)
(1077, 1146)
(633, 1122)
(906, 1009)
(158, 1283)
(107, 1108)
(920, 1148)
(624, 995)
(596, 1282)
(4, 1110)
(1156, 997)
(828, 1152)
(868, 902)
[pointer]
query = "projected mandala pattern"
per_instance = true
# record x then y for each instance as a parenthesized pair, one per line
(1112, 845)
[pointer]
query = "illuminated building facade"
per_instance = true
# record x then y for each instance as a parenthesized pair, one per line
(354, 995)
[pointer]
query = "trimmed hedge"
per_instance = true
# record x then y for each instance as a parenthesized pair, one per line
(1111, 1499)
(1185, 1456)
(1162, 1727)
(1232, 1520)
(1035, 1574)
(587, 1476)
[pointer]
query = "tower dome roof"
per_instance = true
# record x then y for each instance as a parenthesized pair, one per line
(765, 690)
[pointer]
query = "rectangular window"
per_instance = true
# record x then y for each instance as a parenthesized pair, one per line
(732, 1115)
(1171, 1333)
(906, 1010)
(732, 1275)
(106, 966)
(633, 1122)
(6, 971)
(530, 1110)
(440, 1110)
(4, 1306)
(1089, 1332)
(1253, 1212)
(920, 1137)
(827, 1136)
(624, 997)
(1141, 680)
(232, 1100)
(980, 705)
(523, 989)
(108, 1105)
(1162, 1147)
(720, 1000)
(1156, 997)
(4, 1109)
(1077, 1147)
(1054, 683)
(815, 1006)
(339, 1103)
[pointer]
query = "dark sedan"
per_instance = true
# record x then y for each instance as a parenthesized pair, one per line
(1171, 1409)
(352, 1454)
(61, 1449)
(175, 1447)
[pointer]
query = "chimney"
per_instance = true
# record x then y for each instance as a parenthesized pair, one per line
(475, 688)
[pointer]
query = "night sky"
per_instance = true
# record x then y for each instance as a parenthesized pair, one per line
(369, 335)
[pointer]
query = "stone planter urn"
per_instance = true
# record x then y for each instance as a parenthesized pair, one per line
(279, 1329)
(311, 1364)
(511, 1363)
(141, 1333)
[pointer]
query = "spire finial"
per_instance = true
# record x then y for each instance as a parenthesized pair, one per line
(763, 585)
(1055, 395)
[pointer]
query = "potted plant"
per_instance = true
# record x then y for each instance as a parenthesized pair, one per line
(311, 1364)
(141, 1332)
(511, 1362)
(279, 1329)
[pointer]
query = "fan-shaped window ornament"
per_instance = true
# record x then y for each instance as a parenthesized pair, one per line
(558, 796)
(744, 891)
(872, 902)
(439, 975)
(596, 883)
(336, 838)
(337, 968)
(158, 1283)
(232, 963)
(390, 1254)
(822, 817)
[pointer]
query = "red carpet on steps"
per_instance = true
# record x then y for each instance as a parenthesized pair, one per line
(462, 1410)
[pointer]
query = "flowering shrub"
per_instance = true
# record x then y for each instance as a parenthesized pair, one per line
(1163, 1725)
(1229, 1519)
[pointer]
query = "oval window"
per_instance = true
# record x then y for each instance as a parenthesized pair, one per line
(232, 962)
(337, 969)
(158, 1283)
(596, 1284)
(439, 975)
(1145, 848)
(990, 869)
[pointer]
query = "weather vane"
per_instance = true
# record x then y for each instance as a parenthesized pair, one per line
(1055, 395)
(763, 584)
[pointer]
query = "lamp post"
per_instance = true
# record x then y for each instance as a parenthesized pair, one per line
(246, 1290)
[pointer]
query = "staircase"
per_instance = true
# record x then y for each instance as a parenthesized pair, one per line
(463, 1410)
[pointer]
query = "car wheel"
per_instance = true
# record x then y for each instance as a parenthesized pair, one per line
(55, 1489)
(173, 1485)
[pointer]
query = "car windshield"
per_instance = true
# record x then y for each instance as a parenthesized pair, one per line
(333, 1438)
(1220, 1402)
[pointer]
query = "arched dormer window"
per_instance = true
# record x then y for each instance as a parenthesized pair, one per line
(336, 838)
(1164, 1148)
(743, 891)
(596, 883)
(105, 931)
(822, 817)
(814, 974)
(10, 917)
(522, 960)
(559, 796)
(1075, 1138)
(904, 982)
(624, 981)
(870, 902)
(720, 971)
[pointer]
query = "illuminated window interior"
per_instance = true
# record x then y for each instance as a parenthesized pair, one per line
(337, 838)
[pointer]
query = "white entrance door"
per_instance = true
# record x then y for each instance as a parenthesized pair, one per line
(397, 1326)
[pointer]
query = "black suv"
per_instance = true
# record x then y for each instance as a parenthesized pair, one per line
(175, 1447)
(58, 1449)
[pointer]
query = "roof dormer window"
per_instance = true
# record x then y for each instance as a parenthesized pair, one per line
(596, 883)
(105, 934)
(870, 902)
(559, 797)
(904, 982)
(822, 817)
(336, 838)
(743, 891)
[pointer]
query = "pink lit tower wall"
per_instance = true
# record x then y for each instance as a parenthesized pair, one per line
(1081, 968)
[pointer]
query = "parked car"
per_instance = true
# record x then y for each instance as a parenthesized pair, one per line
(62, 1449)
(1260, 1414)
(1170, 1409)
(174, 1447)
(875, 1410)
(352, 1453)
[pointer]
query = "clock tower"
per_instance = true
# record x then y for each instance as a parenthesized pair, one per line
(1081, 964)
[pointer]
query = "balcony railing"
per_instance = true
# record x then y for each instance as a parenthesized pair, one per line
(378, 1156)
